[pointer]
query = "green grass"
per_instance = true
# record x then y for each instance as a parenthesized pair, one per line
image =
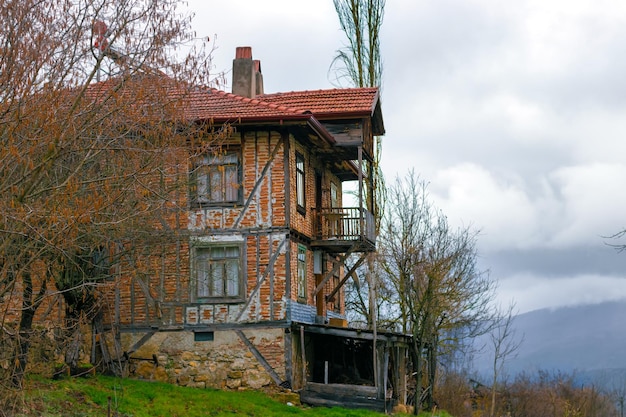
(90, 397)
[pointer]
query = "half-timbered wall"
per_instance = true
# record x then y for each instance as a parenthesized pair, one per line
(269, 230)
(304, 225)
(164, 293)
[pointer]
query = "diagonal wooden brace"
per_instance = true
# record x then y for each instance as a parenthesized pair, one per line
(336, 267)
(348, 275)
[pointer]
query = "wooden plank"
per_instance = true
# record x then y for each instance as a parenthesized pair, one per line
(339, 401)
(346, 134)
(343, 395)
(396, 339)
(366, 391)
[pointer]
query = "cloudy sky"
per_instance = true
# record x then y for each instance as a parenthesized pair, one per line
(513, 111)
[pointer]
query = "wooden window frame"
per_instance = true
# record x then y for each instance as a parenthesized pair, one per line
(216, 179)
(300, 184)
(301, 273)
(206, 260)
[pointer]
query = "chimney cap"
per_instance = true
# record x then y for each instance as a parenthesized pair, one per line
(243, 52)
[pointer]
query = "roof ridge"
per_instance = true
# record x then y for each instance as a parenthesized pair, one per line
(320, 90)
(256, 101)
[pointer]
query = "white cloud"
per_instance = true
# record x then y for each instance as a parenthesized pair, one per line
(592, 200)
(571, 206)
(499, 207)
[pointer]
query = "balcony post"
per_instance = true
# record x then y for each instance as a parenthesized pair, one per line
(361, 220)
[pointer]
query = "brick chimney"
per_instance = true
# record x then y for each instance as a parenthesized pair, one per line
(247, 77)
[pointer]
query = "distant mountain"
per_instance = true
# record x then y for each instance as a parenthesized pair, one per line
(583, 339)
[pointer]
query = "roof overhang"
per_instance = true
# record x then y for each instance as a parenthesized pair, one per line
(351, 333)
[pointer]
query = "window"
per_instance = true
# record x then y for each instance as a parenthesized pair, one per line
(218, 272)
(334, 195)
(301, 272)
(300, 184)
(203, 336)
(216, 179)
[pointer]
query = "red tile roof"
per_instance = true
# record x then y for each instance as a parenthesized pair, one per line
(219, 106)
(222, 106)
(361, 101)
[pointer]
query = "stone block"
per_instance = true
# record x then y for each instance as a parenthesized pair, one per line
(144, 370)
(201, 378)
(256, 379)
(233, 383)
(235, 374)
(184, 380)
(238, 365)
(160, 374)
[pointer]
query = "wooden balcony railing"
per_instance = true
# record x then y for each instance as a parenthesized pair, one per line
(346, 224)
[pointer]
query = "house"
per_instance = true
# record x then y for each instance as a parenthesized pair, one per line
(250, 294)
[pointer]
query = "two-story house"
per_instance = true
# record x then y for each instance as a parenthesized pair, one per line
(251, 292)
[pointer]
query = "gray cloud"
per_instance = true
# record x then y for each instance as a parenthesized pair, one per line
(559, 263)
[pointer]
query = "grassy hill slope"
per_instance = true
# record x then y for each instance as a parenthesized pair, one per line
(108, 396)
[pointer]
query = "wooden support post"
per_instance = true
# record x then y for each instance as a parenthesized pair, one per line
(385, 375)
(303, 356)
(326, 372)
(319, 298)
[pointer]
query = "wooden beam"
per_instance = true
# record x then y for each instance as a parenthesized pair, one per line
(335, 268)
(303, 356)
(140, 342)
(319, 298)
(255, 352)
(348, 275)
(270, 267)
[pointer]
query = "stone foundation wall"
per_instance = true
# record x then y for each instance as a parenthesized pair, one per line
(224, 362)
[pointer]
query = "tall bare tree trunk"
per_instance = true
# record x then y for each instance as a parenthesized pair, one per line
(371, 278)
(25, 330)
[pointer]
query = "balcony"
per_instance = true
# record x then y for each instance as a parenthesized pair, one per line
(338, 229)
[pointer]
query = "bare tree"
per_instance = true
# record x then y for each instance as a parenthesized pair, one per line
(440, 294)
(82, 163)
(360, 63)
(617, 240)
(505, 345)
